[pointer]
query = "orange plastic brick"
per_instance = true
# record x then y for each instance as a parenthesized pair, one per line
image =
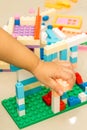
(37, 26)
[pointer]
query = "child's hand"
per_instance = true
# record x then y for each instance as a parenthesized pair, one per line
(49, 73)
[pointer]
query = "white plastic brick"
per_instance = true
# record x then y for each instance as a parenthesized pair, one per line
(76, 40)
(59, 33)
(21, 113)
(10, 25)
(27, 20)
(20, 101)
(82, 96)
(55, 101)
(28, 40)
(73, 54)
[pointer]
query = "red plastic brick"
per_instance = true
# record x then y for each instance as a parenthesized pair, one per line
(47, 98)
(62, 105)
(79, 79)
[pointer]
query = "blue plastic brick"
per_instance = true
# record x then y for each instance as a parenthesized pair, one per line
(19, 90)
(51, 40)
(83, 86)
(50, 26)
(48, 58)
(17, 22)
(63, 54)
(29, 81)
(64, 96)
(74, 49)
(14, 68)
(41, 53)
(72, 101)
(43, 24)
(32, 91)
(21, 107)
(73, 60)
(45, 18)
(51, 34)
(55, 55)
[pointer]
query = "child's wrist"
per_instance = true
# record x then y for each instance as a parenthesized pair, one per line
(37, 67)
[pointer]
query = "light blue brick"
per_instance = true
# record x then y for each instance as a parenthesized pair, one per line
(74, 49)
(55, 55)
(21, 107)
(19, 90)
(48, 58)
(63, 54)
(45, 58)
(29, 81)
(52, 40)
(14, 68)
(33, 91)
(73, 60)
(51, 34)
(64, 96)
(83, 86)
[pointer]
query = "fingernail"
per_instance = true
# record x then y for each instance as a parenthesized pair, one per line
(60, 92)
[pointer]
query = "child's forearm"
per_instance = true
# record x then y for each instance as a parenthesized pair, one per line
(13, 52)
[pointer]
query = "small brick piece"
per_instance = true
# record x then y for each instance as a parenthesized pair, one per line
(47, 98)
(79, 79)
(62, 105)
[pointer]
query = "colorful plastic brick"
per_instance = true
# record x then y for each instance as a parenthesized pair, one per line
(67, 21)
(17, 20)
(51, 37)
(24, 30)
(55, 102)
(73, 54)
(49, 26)
(71, 31)
(59, 33)
(83, 86)
(47, 98)
(82, 96)
(72, 101)
(37, 26)
(45, 18)
(79, 79)
(62, 105)
(58, 4)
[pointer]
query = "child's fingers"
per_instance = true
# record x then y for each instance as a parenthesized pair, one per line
(56, 86)
(65, 74)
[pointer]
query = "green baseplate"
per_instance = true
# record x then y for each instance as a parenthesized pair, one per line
(36, 109)
(85, 43)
